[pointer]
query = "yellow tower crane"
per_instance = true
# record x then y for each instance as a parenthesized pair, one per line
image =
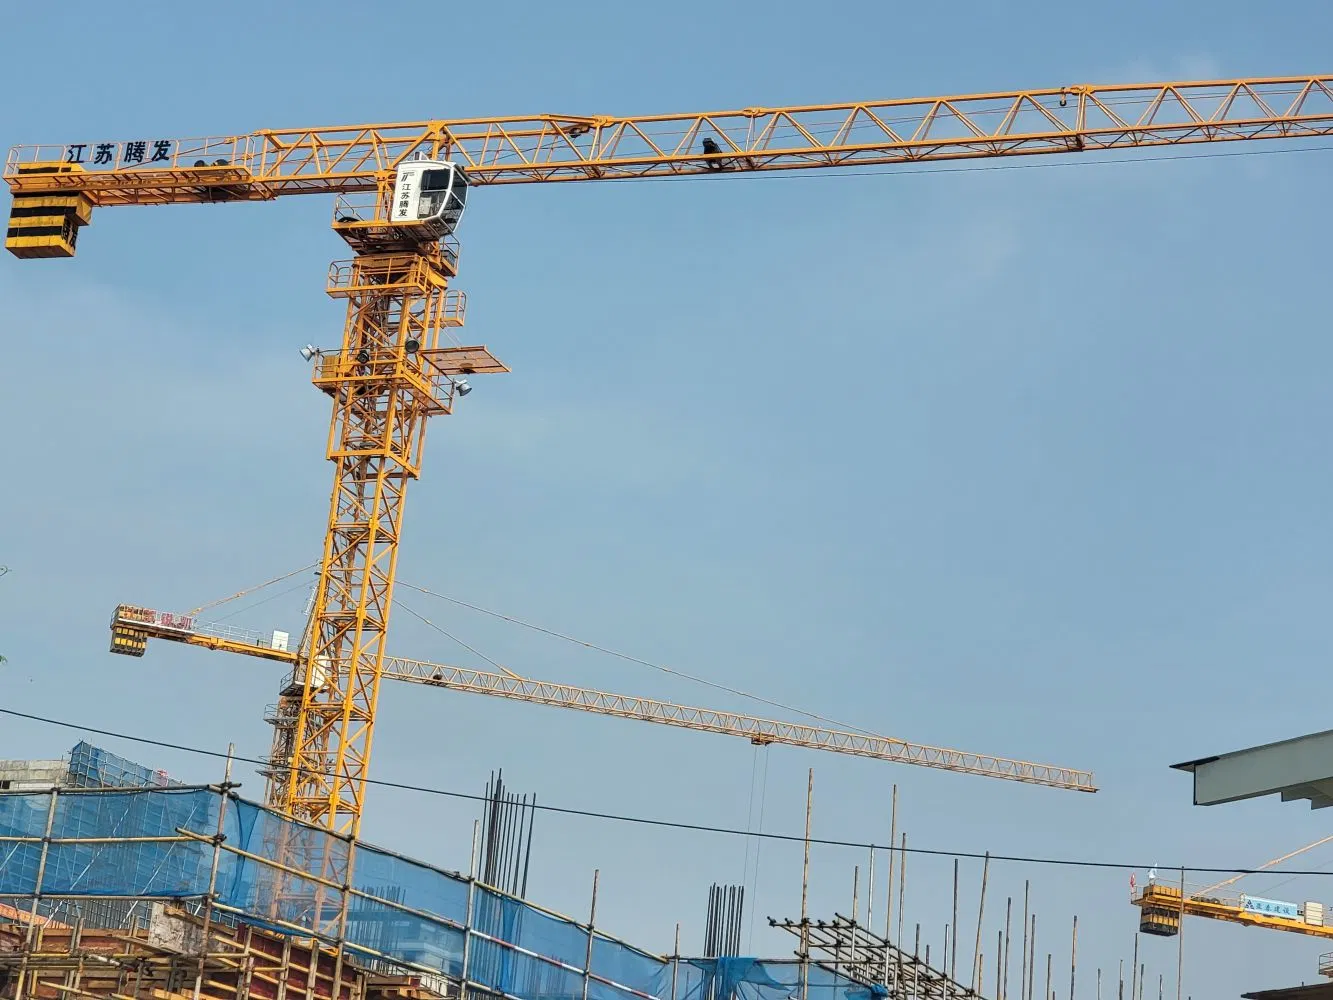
(1161, 906)
(400, 192)
(136, 625)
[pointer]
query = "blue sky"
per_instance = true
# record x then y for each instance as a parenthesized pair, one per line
(1055, 486)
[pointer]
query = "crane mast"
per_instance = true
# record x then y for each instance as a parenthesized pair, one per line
(391, 371)
(389, 376)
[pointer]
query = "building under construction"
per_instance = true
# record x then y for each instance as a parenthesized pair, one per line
(117, 883)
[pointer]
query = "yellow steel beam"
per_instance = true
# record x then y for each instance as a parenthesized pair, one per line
(136, 625)
(268, 163)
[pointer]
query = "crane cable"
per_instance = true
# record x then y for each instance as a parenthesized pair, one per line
(642, 662)
(548, 632)
(193, 612)
(450, 635)
(1262, 867)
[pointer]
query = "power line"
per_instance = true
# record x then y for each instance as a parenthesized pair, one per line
(678, 825)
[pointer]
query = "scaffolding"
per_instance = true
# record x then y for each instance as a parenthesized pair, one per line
(852, 950)
(205, 911)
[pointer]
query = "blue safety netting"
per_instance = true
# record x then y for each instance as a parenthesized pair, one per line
(158, 844)
(756, 979)
(93, 767)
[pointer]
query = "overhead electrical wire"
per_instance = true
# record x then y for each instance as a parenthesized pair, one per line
(679, 825)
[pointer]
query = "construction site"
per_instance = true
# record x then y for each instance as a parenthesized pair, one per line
(119, 881)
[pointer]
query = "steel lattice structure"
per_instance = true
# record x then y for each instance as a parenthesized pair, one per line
(392, 371)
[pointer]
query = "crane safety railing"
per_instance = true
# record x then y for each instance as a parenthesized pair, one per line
(156, 153)
(264, 640)
(342, 279)
(1165, 893)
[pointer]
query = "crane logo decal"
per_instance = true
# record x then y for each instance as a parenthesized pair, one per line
(1271, 907)
(123, 154)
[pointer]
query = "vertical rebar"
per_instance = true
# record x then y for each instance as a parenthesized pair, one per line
(805, 890)
(870, 890)
(1050, 995)
(953, 954)
(501, 811)
(999, 964)
(1008, 915)
(1120, 986)
(916, 961)
(1134, 971)
(592, 921)
(520, 808)
(1023, 953)
(527, 853)
(888, 906)
(981, 915)
(944, 963)
(856, 908)
(1180, 938)
(740, 920)
(1032, 958)
(708, 922)
(731, 916)
(713, 895)
(475, 859)
(902, 904)
(1073, 957)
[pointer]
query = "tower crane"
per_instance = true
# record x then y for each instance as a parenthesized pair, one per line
(400, 191)
(133, 626)
(1161, 906)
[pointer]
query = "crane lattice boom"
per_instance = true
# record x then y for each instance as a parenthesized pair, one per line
(132, 627)
(760, 731)
(262, 165)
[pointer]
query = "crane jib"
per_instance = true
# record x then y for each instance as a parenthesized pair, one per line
(400, 193)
